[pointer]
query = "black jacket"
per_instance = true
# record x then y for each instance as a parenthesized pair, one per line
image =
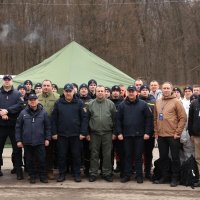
(12, 101)
(150, 100)
(117, 101)
(194, 118)
(93, 96)
(33, 127)
(69, 118)
(133, 118)
(85, 99)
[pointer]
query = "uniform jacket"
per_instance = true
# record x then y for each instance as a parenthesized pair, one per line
(117, 101)
(12, 101)
(150, 100)
(194, 118)
(33, 127)
(48, 101)
(174, 117)
(133, 118)
(86, 99)
(101, 116)
(69, 118)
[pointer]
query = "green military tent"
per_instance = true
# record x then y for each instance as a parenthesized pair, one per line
(74, 64)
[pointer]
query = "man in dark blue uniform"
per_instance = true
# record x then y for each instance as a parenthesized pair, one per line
(69, 126)
(133, 126)
(11, 103)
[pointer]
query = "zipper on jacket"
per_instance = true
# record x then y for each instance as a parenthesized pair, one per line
(100, 111)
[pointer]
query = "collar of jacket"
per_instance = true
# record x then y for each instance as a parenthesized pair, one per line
(100, 100)
(4, 91)
(31, 111)
(149, 97)
(47, 94)
(172, 96)
(117, 99)
(84, 97)
(62, 100)
(132, 102)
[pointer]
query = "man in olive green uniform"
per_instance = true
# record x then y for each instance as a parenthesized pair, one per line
(48, 98)
(101, 122)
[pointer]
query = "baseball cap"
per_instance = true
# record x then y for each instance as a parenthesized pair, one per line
(83, 85)
(116, 88)
(7, 77)
(131, 87)
(68, 87)
(32, 96)
(144, 87)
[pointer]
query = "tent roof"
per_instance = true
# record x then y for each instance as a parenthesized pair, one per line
(74, 64)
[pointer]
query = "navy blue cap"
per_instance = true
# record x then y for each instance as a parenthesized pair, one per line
(28, 81)
(131, 87)
(144, 87)
(91, 81)
(68, 87)
(38, 85)
(188, 88)
(7, 77)
(116, 88)
(32, 96)
(177, 89)
(21, 86)
(108, 89)
(83, 85)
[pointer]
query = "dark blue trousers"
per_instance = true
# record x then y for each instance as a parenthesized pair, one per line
(17, 152)
(33, 153)
(133, 147)
(64, 145)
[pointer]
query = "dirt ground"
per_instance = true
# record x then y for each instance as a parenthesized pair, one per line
(11, 189)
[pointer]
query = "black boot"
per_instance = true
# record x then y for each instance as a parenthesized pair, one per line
(148, 174)
(20, 174)
(61, 178)
(44, 179)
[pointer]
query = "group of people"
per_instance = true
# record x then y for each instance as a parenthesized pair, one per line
(93, 126)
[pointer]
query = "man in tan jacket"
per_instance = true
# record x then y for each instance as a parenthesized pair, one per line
(169, 122)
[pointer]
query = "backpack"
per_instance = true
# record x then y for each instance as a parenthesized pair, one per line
(189, 173)
(158, 168)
